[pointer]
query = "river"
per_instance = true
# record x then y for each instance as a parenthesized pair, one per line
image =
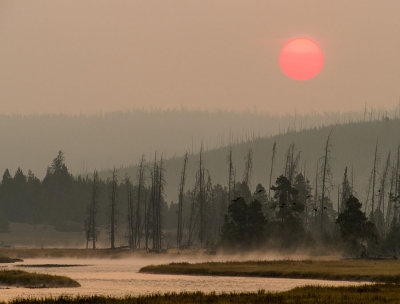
(120, 277)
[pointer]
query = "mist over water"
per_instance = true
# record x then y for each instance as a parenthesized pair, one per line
(120, 277)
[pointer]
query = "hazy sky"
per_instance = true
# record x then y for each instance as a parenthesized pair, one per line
(89, 56)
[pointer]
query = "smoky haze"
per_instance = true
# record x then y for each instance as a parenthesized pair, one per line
(120, 138)
(91, 56)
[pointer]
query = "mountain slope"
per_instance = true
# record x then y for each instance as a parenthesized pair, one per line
(352, 145)
(113, 139)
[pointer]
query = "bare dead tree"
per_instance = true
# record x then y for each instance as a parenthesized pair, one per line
(289, 159)
(201, 198)
(230, 174)
(292, 162)
(154, 201)
(160, 192)
(374, 181)
(352, 179)
(192, 222)
(397, 181)
(346, 190)
(179, 233)
(87, 231)
(381, 202)
(338, 200)
(93, 209)
(140, 186)
(391, 199)
(248, 167)
(368, 192)
(113, 207)
(272, 169)
(131, 220)
(147, 212)
(325, 174)
(316, 190)
(157, 186)
(234, 181)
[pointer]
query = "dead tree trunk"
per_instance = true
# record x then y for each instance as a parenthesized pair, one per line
(374, 181)
(154, 175)
(391, 200)
(368, 192)
(179, 233)
(160, 190)
(138, 220)
(272, 169)
(131, 225)
(191, 226)
(202, 215)
(113, 207)
(248, 167)
(157, 193)
(93, 210)
(230, 176)
(325, 173)
(147, 207)
(397, 184)
(381, 203)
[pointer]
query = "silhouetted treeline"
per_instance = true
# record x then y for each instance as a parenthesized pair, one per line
(102, 141)
(299, 207)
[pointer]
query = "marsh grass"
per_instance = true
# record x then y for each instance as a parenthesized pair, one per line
(51, 265)
(117, 253)
(386, 271)
(4, 259)
(21, 278)
(371, 294)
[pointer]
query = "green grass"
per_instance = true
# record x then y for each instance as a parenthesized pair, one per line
(371, 294)
(21, 278)
(4, 260)
(386, 271)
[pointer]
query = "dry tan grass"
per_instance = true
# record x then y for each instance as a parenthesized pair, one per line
(354, 270)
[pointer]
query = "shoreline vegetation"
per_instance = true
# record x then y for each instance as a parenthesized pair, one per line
(19, 278)
(382, 271)
(371, 294)
(100, 253)
(6, 260)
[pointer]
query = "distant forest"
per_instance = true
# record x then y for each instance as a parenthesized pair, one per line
(293, 190)
(119, 139)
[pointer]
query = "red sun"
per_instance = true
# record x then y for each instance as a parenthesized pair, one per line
(301, 59)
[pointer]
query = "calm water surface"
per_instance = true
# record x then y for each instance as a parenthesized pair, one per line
(120, 277)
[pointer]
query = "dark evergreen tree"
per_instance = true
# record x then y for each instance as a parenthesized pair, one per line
(355, 228)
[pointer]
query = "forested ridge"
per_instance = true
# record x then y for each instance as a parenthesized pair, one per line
(101, 141)
(328, 184)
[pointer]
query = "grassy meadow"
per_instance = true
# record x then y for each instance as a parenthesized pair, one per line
(371, 294)
(4, 260)
(21, 278)
(387, 271)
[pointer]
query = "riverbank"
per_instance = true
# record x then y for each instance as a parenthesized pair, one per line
(7, 260)
(371, 294)
(387, 271)
(19, 278)
(26, 253)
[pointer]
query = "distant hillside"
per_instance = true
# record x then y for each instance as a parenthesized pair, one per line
(353, 145)
(115, 139)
